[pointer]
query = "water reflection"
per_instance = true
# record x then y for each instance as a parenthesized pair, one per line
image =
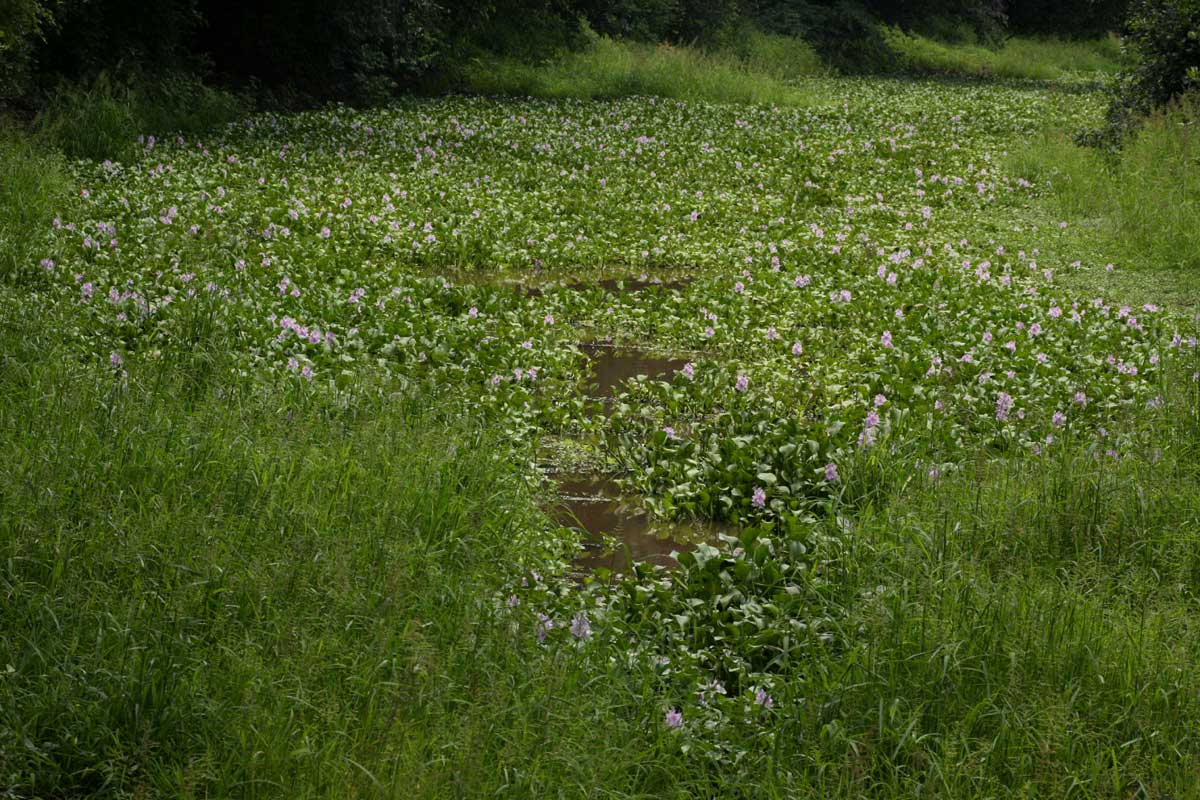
(618, 532)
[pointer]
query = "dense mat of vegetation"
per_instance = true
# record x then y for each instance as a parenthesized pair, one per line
(275, 400)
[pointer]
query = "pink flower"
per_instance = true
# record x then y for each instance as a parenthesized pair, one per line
(674, 718)
(880, 400)
(473, 312)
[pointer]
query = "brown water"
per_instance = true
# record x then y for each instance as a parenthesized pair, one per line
(617, 532)
(612, 366)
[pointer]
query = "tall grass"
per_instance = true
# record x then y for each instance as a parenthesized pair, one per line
(757, 72)
(1018, 57)
(215, 587)
(1145, 200)
(34, 187)
(103, 118)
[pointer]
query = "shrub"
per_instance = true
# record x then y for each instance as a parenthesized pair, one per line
(1162, 40)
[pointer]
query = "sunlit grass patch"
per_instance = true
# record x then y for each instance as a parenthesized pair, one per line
(1017, 57)
(758, 72)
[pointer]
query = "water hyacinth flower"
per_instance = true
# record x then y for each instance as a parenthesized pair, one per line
(674, 718)
(543, 626)
(797, 348)
(473, 312)
(886, 339)
(831, 473)
(581, 628)
(762, 699)
(1004, 404)
(759, 500)
(742, 383)
(688, 371)
(1059, 419)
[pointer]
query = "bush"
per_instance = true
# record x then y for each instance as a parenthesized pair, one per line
(22, 25)
(1162, 40)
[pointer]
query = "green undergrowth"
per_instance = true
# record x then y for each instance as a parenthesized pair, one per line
(759, 71)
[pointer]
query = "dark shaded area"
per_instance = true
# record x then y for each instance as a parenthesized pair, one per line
(303, 51)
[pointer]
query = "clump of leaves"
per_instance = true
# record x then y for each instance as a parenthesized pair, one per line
(1162, 46)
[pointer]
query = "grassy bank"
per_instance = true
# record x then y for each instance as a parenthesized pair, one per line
(1136, 208)
(758, 71)
(1018, 57)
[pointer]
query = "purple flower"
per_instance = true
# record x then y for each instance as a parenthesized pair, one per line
(1059, 419)
(886, 339)
(831, 473)
(669, 431)
(761, 698)
(739, 287)
(473, 312)
(742, 383)
(880, 400)
(544, 624)
(760, 497)
(580, 627)
(689, 370)
(674, 718)
(114, 360)
(1004, 404)
(797, 349)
